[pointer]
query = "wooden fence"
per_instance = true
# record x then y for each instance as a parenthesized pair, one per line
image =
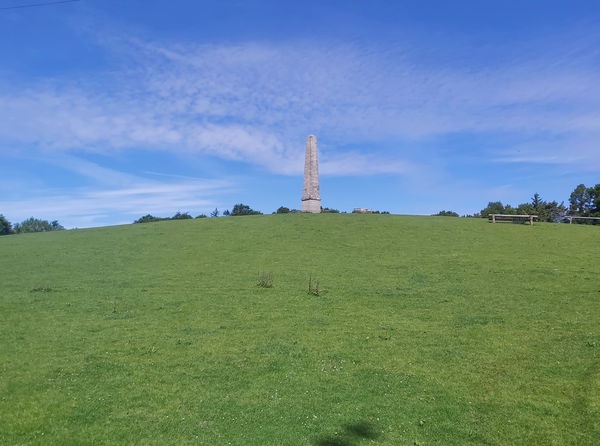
(508, 217)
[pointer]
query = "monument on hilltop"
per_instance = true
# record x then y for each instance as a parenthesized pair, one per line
(311, 197)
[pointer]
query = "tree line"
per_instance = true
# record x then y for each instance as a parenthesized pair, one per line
(583, 202)
(238, 209)
(29, 225)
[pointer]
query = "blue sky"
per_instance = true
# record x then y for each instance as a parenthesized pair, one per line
(110, 110)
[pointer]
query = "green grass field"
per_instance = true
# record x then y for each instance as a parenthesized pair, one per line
(428, 331)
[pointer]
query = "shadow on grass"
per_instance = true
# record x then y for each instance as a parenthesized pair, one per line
(351, 434)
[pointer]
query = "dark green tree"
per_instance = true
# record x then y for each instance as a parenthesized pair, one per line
(594, 199)
(181, 216)
(215, 213)
(148, 219)
(580, 201)
(243, 209)
(282, 210)
(553, 212)
(493, 207)
(5, 226)
(526, 209)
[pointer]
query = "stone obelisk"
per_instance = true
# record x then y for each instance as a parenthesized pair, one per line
(311, 197)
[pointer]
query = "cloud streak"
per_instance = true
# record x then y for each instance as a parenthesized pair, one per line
(255, 103)
(114, 196)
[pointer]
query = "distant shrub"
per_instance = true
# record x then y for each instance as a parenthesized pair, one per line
(202, 216)
(329, 211)
(243, 209)
(178, 216)
(149, 219)
(181, 216)
(283, 210)
(37, 225)
(446, 214)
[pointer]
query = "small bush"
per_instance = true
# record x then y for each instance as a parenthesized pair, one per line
(148, 219)
(181, 216)
(446, 214)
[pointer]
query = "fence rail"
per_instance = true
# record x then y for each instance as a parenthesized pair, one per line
(509, 217)
(571, 217)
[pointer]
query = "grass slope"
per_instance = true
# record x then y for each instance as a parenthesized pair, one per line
(430, 331)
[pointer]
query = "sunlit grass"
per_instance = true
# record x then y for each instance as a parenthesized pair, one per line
(426, 330)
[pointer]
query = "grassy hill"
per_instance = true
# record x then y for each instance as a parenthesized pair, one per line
(428, 331)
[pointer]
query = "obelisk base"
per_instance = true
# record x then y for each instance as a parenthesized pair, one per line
(312, 206)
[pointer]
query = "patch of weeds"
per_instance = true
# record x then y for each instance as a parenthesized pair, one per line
(41, 289)
(264, 280)
(183, 342)
(313, 287)
(149, 350)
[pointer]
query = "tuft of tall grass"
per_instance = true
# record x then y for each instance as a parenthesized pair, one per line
(264, 280)
(313, 287)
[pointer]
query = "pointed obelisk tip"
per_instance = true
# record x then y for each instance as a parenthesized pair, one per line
(311, 197)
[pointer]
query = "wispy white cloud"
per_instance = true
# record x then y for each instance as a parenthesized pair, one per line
(84, 207)
(114, 196)
(255, 102)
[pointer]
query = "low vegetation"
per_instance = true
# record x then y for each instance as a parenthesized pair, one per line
(29, 225)
(446, 214)
(178, 216)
